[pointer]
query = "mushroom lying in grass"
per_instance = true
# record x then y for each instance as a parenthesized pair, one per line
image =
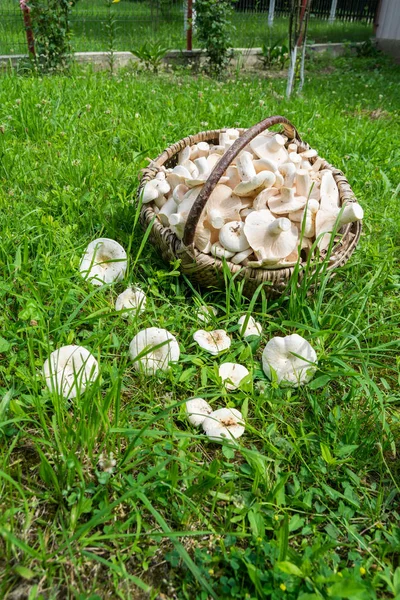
(249, 327)
(197, 410)
(153, 349)
(131, 302)
(69, 370)
(232, 374)
(224, 423)
(213, 341)
(206, 313)
(291, 359)
(104, 261)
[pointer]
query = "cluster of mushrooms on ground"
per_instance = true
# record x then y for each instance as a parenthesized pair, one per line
(270, 205)
(69, 370)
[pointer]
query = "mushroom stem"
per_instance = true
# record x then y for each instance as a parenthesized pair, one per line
(302, 183)
(278, 226)
(245, 166)
(352, 212)
(288, 170)
(275, 143)
(287, 194)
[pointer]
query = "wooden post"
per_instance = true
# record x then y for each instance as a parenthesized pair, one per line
(189, 31)
(28, 27)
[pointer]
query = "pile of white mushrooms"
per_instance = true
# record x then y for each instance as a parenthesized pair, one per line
(271, 204)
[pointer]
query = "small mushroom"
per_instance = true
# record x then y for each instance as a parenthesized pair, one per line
(255, 227)
(206, 313)
(131, 302)
(288, 170)
(280, 239)
(213, 341)
(241, 256)
(292, 147)
(203, 171)
(249, 326)
(104, 261)
(177, 176)
(180, 192)
(155, 190)
(233, 238)
(167, 210)
(153, 349)
(224, 423)
(203, 239)
(69, 370)
(311, 153)
(197, 410)
(233, 178)
(303, 183)
(232, 374)
(295, 159)
(291, 358)
(251, 181)
(272, 148)
(286, 202)
(327, 220)
(220, 252)
(310, 211)
(329, 192)
(222, 206)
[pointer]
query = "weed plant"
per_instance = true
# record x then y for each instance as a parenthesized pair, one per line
(306, 506)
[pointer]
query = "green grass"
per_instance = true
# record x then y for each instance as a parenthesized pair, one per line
(307, 505)
(139, 21)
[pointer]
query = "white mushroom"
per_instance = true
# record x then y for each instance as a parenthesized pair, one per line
(310, 211)
(255, 227)
(155, 190)
(232, 374)
(288, 170)
(224, 423)
(272, 148)
(104, 261)
(206, 313)
(292, 359)
(222, 206)
(232, 237)
(204, 171)
(177, 176)
(241, 256)
(251, 181)
(311, 153)
(69, 370)
(271, 239)
(153, 349)
(203, 238)
(303, 183)
(249, 326)
(286, 202)
(197, 410)
(260, 202)
(329, 192)
(131, 302)
(167, 210)
(327, 220)
(213, 341)
(220, 252)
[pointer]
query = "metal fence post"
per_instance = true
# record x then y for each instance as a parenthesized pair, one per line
(28, 27)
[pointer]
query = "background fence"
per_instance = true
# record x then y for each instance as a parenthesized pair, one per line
(138, 21)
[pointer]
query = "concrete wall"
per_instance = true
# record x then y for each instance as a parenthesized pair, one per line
(388, 27)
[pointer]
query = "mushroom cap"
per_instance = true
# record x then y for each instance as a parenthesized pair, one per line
(69, 370)
(220, 252)
(132, 302)
(206, 313)
(286, 202)
(232, 237)
(222, 206)
(224, 423)
(197, 410)
(156, 349)
(262, 179)
(104, 261)
(252, 327)
(270, 147)
(213, 341)
(255, 227)
(279, 356)
(260, 202)
(232, 374)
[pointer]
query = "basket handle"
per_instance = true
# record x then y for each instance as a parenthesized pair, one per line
(223, 164)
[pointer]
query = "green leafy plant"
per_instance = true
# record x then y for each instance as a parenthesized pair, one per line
(214, 28)
(275, 55)
(52, 34)
(151, 55)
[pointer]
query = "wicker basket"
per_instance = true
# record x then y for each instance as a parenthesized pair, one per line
(207, 270)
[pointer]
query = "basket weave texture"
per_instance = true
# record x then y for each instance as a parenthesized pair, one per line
(207, 270)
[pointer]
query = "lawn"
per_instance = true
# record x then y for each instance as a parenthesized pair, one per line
(136, 22)
(306, 506)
